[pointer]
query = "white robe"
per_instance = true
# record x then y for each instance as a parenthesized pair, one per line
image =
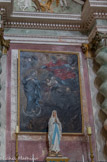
(57, 136)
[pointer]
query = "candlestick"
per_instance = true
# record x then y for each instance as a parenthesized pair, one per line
(16, 153)
(89, 132)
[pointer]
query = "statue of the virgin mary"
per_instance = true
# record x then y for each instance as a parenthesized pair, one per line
(54, 134)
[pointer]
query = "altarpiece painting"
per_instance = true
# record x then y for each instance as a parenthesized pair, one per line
(49, 81)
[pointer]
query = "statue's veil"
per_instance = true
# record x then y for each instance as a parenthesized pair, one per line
(56, 115)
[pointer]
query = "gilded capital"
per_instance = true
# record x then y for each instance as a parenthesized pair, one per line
(5, 44)
(100, 40)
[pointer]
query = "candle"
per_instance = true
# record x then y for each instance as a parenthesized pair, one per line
(89, 131)
(17, 129)
(32, 157)
(82, 158)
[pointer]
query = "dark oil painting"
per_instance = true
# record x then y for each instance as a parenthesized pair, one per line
(49, 81)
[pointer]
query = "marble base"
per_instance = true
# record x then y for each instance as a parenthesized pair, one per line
(57, 159)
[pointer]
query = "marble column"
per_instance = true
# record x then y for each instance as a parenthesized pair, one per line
(96, 54)
(101, 58)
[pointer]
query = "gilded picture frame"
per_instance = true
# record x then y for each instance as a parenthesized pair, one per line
(43, 54)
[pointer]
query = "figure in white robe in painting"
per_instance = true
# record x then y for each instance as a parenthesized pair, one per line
(23, 4)
(54, 134)
(63, 3)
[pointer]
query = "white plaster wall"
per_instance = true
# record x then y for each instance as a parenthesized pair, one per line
(100, 139)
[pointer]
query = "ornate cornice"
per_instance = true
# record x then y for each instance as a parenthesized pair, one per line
(92, 11)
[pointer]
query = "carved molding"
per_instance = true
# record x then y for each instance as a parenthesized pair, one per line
(49, 16)
(58, 40)
(39, 25)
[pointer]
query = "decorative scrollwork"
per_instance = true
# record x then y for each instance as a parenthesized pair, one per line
(98, 41)
(95, 42)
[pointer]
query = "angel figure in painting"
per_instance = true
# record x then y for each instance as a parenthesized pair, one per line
(54, 134)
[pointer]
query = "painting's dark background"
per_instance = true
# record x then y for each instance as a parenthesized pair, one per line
(49, 81)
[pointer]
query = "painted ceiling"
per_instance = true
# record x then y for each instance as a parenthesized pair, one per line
(48, 6)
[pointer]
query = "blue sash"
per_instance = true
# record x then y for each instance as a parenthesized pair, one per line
(56, 131)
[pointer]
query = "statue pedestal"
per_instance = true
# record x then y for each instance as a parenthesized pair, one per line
(57, 159)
